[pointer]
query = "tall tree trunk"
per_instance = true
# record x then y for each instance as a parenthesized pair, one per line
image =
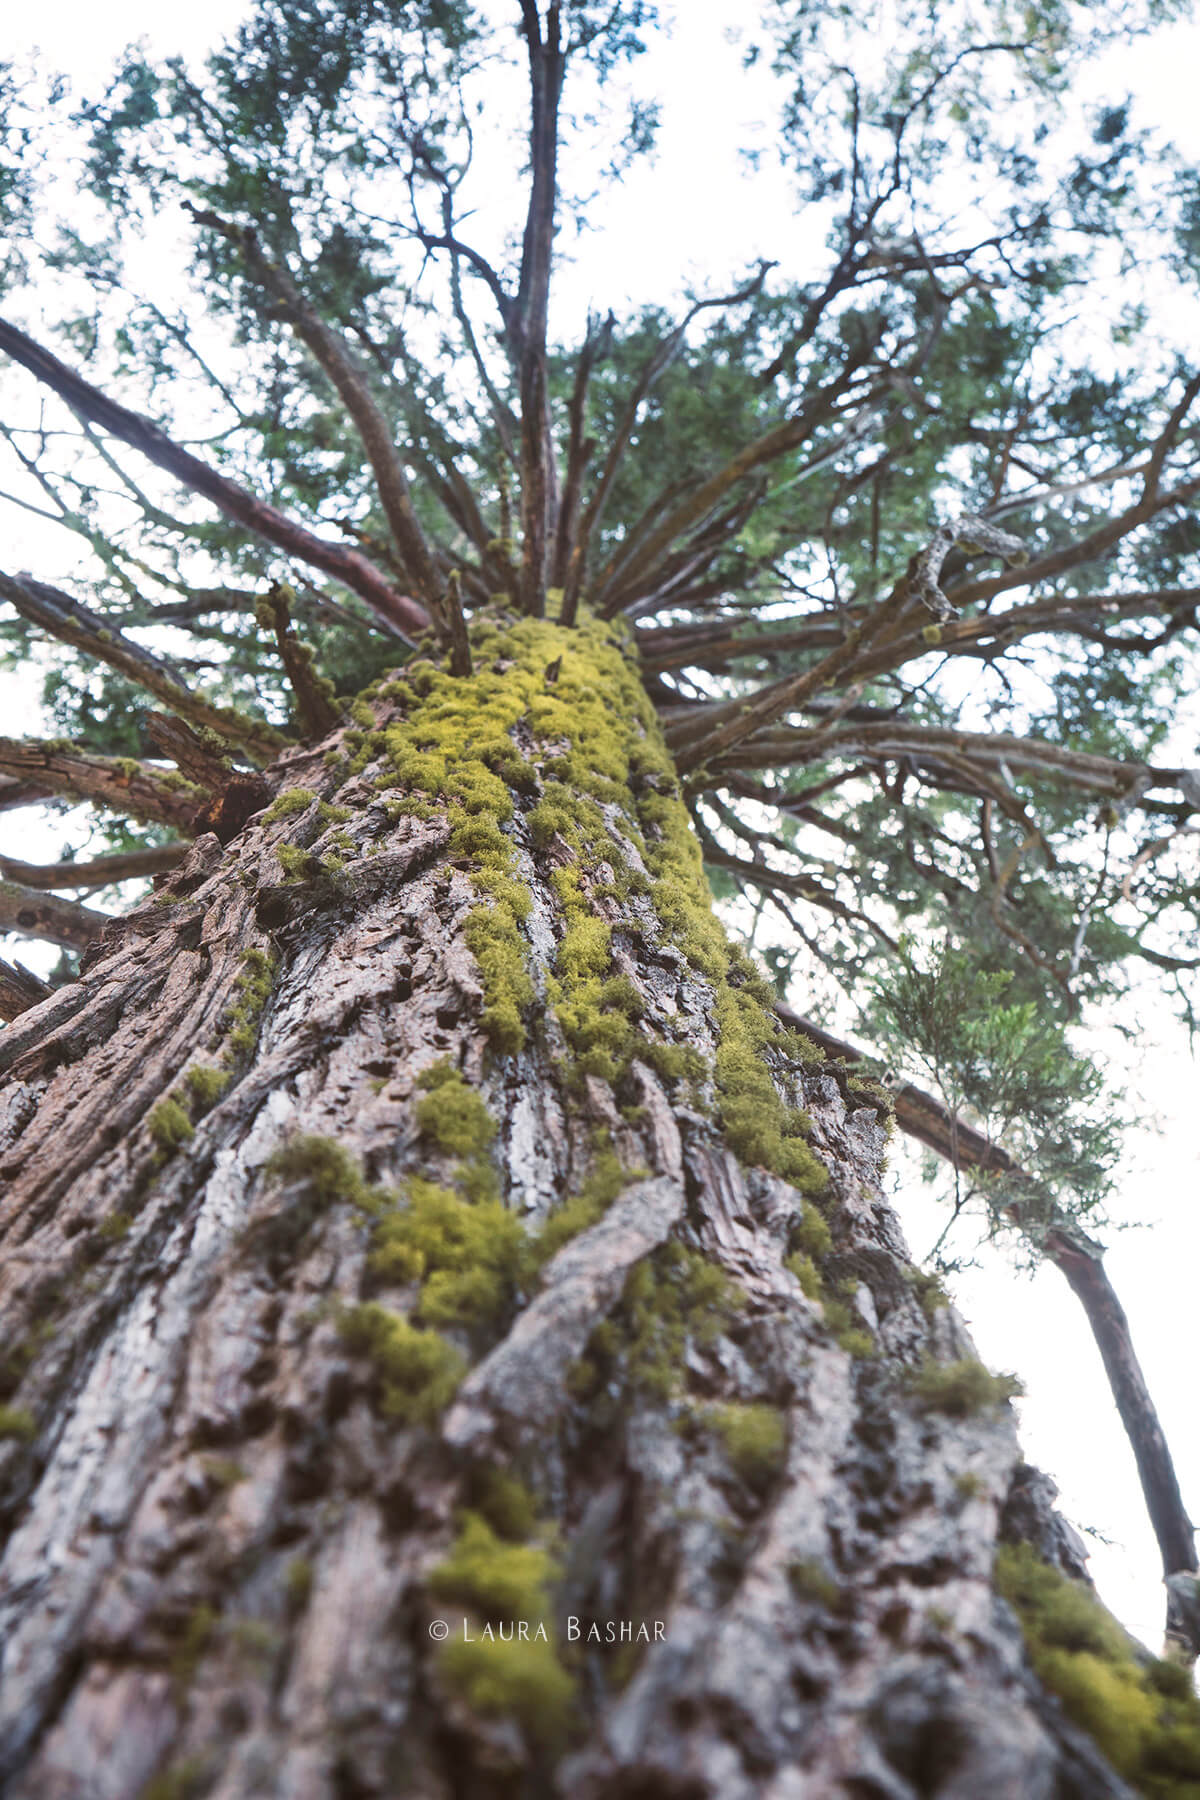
(413, 1226)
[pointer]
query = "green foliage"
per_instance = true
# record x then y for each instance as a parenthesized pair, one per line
(1007, 1065)
(1144, 1715)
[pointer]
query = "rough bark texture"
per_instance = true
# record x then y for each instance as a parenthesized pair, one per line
(226, 1536)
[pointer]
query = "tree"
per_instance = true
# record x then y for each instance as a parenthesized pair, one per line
(419, 1213)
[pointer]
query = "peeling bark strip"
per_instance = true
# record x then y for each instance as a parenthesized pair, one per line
(375, 1253)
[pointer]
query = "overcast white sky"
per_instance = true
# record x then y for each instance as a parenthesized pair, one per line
(1033, 1326)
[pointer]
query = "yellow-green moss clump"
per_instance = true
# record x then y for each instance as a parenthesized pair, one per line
(599, 743)
(291, 800)
(959, 1389)
(17, 1422)
(418, 1371)
(169, 1126)
(251, 991)
(670, 1297)
(811, 1242)
(1143, 1714)
(505, 1662)
(755, 1440)
(451, 1116)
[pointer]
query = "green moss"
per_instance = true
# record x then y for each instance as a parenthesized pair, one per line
(505, 1584)
(251, 991)
(291, 800)
(505, 1502)
(1147, 1725)
(195, 1640)
(968, 1485)
(418, 1371)
(604, 1182)
(223, 1471)
(758, 1126)
(204, 1085)
(811, 1582)
(17, 1422)
(522, 1681)
(183, 1780)
(328, 1171)
(452, 1117)
(755, 1439)
(962, 1388)
(929, 1290)
(169, 1126)
(467, 1255)
(114, 1226)
(807, 1274)
(498, 1579)
(671, 1298)
(297, 864)
(297, 1585)
(812, 1236)
(846, 1328)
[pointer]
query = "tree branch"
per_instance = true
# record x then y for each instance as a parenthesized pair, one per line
(19, 990)
(73, 623)
(132, 788)
(100, 872)
(38, 915)
(347, 566)
(331, 353)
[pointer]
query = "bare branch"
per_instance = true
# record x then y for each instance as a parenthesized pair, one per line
(73, 623)
(347, 566)
(333, 356)
(38, 915)
(99, 872)
(135, 789)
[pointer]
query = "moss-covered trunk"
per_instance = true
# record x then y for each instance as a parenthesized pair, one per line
(455, 1345)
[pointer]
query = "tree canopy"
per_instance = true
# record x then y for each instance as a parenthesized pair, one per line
(902, 521)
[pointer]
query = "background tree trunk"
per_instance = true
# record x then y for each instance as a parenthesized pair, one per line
(234, 1480)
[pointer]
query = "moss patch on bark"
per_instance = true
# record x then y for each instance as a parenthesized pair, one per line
(1142, 1713)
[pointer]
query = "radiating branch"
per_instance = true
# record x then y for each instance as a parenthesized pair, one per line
(71, 622)
(41, 915)
(350, 567)
(334, 357)
(132, 788)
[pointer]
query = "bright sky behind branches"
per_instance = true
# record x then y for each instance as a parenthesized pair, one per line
(697, 215)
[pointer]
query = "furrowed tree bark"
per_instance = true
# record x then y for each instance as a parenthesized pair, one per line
(1080, 1260)
(233, 1490)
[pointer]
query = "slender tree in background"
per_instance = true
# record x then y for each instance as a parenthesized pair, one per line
(426, 1235)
